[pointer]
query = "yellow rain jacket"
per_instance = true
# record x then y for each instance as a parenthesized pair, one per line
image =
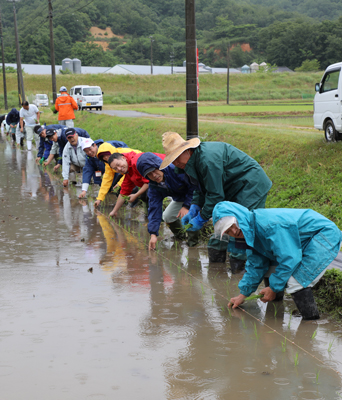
(108, 176)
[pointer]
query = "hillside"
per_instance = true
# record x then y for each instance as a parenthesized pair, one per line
(283, 32)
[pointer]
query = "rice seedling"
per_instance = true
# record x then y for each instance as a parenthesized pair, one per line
(289, 324)
(202, 288)
(254, 297)
(330, 345)
(317, 377)
(222, 307)
(283, 345)
(229, 312)
(256, 334)
(212, 299)
(216, 275)
(243, 323)
(275, 310)
(314, 334)
(296, 360)
(190, 282)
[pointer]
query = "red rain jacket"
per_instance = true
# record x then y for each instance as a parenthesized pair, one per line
(132, 176)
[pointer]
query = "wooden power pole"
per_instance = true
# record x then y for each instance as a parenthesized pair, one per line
(52, 51)
(3, 65)
(191, 71)
(21, 90)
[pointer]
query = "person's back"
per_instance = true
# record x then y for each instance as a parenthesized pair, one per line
(65, 105)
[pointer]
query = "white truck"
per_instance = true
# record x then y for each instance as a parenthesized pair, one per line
(328, 103)
(87, 96)
(41, 100)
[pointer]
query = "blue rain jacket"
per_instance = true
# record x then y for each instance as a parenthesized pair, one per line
(62, 140)
(45, 144)
(13, 117)
(94, 164)
(302, 243)
(177, 186)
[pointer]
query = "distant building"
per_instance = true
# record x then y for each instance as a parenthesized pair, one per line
(125, 69)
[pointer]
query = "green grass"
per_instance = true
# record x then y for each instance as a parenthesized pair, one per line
(132, 89)
(233, 109)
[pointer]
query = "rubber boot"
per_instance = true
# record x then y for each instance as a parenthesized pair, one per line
(177, 229)
(306, 304)
(22, 142)
(279, 295)
(236, 265)
(29, 145)
(216, 255)
(193, 238)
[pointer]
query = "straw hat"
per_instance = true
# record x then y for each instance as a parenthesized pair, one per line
(174, 145)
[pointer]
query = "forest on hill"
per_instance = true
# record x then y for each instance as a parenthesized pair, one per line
(279, 32)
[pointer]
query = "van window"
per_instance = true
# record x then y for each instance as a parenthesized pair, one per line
(71, 92)
(92, 92)
(330, 81)
(78, 91)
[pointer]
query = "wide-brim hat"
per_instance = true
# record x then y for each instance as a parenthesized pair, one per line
(174, 145)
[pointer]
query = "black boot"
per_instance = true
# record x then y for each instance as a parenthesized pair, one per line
(306, 304)
(193, 238)
(177, 229)
(279, 295)
(217, 256)
(236, 265)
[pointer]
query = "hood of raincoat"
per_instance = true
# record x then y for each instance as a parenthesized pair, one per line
(105, 147)
(244, 217)
(63, 98)
(147, 161)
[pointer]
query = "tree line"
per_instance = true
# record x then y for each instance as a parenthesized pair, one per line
(280, 32)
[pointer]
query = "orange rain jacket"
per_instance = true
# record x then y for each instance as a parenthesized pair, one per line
(65, 105)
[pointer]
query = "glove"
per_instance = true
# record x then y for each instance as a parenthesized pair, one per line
(193, 211)
(41, 160)
(197, 223)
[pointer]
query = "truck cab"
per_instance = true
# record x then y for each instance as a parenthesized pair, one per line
(87, 96)
(328, 103)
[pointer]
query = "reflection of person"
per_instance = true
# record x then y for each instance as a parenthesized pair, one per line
(29, 114)
(163, 184)
(302, 243)
(223, 172)
(94, 167)
(103, 154)
(65, 105)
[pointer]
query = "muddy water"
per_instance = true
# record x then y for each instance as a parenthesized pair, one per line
(136, 326)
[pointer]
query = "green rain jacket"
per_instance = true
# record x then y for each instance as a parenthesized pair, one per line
(224, 172)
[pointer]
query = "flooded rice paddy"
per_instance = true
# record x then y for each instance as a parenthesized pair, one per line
(86, 312)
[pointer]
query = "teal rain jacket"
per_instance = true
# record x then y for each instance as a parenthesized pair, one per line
(224, 172)
(301, 243)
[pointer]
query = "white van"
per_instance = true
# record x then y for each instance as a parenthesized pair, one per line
(41, 100)
(87, 96)
(328, 103)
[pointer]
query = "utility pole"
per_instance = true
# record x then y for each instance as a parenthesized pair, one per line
(3, 65)
(52, 51)
(21, 91)
(228, 55)
(151, 37)
(172, 57)
(191, 71)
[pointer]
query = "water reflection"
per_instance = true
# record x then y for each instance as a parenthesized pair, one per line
(140, 319)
